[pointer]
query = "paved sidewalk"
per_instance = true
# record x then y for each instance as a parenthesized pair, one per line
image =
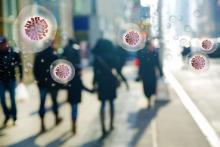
(203, 88)
(168, 124)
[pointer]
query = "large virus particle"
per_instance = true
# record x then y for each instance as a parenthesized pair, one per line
(207, 44)
(198, 62)
(62, 71)
(132, 38)
(36, 28)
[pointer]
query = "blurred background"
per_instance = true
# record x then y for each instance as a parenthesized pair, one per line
(187, 116)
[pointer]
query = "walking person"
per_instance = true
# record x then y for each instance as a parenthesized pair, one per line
(45, 83)
(105, 79)
(9, 60)
(75, 86)
(149, 64)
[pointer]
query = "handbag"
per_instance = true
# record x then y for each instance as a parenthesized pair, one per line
(21, 92)
(162, 90)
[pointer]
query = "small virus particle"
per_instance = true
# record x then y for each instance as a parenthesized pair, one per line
(132, 38)
(36, 28)
(62, 71)
(207, 44)
(198, 62)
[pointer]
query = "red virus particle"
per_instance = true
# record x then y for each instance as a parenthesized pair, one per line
(198, 62)
(207, 44)
(36, 28)
(132, 38)
(62, 71)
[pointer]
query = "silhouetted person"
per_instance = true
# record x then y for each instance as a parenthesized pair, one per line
(105, 79)
(185, 52)
(46, 84)
(75, 86)
(9, 60)
(149, 64)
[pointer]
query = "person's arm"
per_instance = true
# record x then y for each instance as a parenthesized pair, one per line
(94, 81)
(20, 66)
(36, 66)
(123, 78)
(158, 64)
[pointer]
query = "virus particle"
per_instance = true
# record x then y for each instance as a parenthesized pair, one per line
(198, 62)
(36, 28)
(132, 38)
(207, 44)
(62, 71)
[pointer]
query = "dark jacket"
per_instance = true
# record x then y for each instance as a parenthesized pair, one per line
(149, 64)
(43, 61)
(75, 86)
(104, 62)
(9, 60)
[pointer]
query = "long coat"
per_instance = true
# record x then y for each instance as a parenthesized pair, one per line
(104, 62)
(42, 63)
(149, 64)
(75, 86)
(9, 60)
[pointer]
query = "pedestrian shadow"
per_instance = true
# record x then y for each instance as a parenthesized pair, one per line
(30, 142)
(60, 141)
(142, 119)
(99, 142)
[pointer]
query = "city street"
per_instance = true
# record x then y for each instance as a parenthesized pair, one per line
(167, 124)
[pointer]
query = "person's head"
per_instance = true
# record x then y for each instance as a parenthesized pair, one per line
(3, 43)
(149, 45)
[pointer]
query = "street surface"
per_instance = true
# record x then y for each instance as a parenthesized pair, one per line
(167, 124)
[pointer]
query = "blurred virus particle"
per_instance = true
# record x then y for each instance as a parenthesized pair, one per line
(198, 62)
(132, 38)
(207, 45)
(36, 28)
(62, 71)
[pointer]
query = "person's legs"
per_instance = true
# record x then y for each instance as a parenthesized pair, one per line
(42, 107)
(74, 116)
(3, 102)
(102, 116)
(112, 113)
(55, 105)
(147, 93)
(12, 86)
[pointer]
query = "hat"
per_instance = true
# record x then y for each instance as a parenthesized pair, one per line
(2, 39)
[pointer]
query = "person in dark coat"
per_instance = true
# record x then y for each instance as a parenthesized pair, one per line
(186, 51)
(9, 60)
(105, 79)
(75, 86)
(149, 65)
(46, 84)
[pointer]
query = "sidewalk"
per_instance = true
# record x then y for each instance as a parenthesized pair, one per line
(204, 91)
(168, 124)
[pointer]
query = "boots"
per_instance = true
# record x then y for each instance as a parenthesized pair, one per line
(6, 121)
(58, 120)
(42, 125)
(103, 127)
(74, 127)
